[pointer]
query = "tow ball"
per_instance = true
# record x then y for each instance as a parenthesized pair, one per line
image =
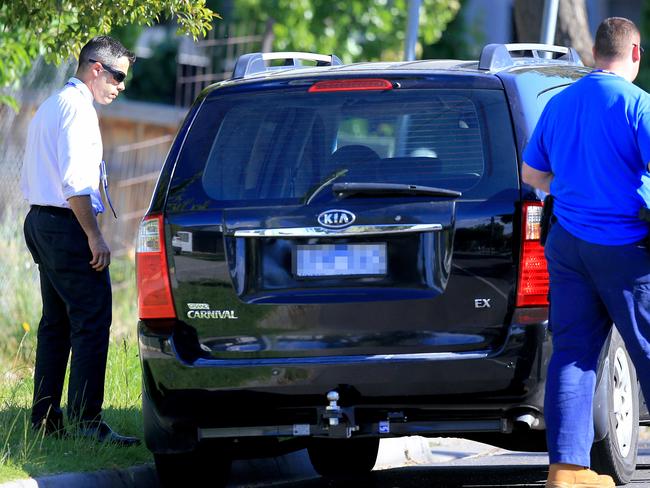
(333, 411)
(340, 421)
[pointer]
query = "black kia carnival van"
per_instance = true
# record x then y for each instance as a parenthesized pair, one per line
(335, 254)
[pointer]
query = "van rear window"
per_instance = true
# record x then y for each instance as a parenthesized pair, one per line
(281, 145)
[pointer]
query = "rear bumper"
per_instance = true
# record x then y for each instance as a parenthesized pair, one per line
(481, 391)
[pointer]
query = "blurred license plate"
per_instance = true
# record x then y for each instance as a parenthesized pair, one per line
(340, 260)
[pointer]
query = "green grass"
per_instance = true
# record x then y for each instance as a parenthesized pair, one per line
(20, 299)
(24, 453)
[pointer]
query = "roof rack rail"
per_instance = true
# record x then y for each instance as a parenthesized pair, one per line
(497, 56)
(248, 64)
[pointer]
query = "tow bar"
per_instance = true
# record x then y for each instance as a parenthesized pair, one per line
(339, 421)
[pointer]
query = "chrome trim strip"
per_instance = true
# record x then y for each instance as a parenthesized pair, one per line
(353, 230)
(323, 360)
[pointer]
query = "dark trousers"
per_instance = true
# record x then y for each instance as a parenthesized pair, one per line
(592, 286)
(76, 317)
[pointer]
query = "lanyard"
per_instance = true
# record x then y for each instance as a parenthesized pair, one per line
(104, 180)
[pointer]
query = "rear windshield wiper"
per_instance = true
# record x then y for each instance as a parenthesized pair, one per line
(328, 179)
(345, 190)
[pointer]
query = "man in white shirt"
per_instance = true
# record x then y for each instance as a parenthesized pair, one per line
(60, 179)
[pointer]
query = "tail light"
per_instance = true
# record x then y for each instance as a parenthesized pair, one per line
(533, 282)
(152, 277)
(360, 84)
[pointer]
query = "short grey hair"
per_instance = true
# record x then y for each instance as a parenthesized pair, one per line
(104, 49)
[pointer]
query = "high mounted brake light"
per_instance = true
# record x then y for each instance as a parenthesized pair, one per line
(361, 84)
(533, 281)
(152, 277)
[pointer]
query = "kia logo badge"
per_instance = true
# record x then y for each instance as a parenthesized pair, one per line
(336, 219)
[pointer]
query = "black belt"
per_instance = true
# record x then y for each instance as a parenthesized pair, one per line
(53, 210)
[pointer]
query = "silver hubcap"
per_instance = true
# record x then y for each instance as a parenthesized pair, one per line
(623, 402)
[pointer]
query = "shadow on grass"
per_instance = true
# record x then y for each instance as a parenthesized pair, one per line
(25, 453)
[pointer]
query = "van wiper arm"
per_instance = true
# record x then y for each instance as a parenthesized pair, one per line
(345, 190)
(328, 179)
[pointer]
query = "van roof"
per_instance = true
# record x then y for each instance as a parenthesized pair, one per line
(494, 58)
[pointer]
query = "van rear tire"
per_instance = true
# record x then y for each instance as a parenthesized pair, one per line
(343, 458)
(616, 453)
(208, 465)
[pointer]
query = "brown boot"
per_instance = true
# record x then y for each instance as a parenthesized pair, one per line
(572, 476)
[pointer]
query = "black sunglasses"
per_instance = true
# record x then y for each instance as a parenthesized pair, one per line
(118, 75)
(641, 50)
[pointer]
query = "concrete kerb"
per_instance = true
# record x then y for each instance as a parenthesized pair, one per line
(251, 472)
(140, 476)
(393, 453)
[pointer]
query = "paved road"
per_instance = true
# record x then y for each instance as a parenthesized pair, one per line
(482, 476)
(412, 462)
(460, 464)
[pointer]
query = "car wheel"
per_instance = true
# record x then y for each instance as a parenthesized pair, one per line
(208, 465)
(342, 458)
(616, 453)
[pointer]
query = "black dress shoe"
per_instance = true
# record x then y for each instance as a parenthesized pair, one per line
(101, 432)
(50, 427)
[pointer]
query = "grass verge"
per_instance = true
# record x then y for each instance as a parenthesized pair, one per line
(20, 298)
(24, 453)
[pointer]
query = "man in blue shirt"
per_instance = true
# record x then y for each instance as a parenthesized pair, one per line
(591, 150)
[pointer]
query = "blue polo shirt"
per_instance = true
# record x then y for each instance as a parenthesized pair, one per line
(594, 137)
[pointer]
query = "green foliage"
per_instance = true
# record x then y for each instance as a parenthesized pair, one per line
(362, 30)
(154, 78)
(357, 30)
(57, 29)
(643, 80)
(457, 41)
(9, 101)
(128, 34)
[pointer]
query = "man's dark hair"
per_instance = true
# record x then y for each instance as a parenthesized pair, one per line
(104, 49)
(614, 36)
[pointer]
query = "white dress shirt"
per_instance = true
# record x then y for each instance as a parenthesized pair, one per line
(64, 150)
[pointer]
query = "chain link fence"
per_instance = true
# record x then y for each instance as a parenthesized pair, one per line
(19, 291)
(38, 85)
(213, 58)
